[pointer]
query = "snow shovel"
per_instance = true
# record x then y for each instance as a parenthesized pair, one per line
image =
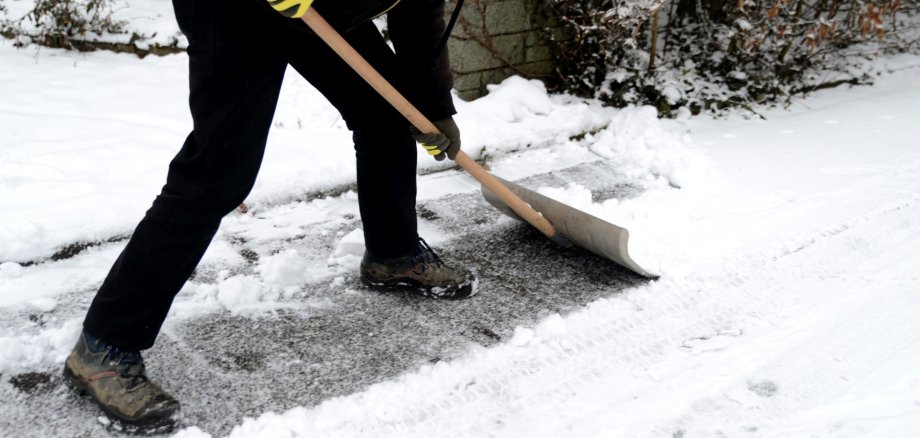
(574, 226)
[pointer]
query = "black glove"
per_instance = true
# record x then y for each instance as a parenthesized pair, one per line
(447, 143)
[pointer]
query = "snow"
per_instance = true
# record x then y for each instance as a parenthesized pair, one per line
(239, 293)
(787, 248)
(638, 142)
(21, 352)
(10, 270)
(350, 249)
(285, 269)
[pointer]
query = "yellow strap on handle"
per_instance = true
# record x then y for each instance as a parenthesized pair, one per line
(287, 7)
(433, 150)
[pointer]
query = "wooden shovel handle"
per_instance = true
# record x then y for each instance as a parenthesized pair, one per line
(338, 44)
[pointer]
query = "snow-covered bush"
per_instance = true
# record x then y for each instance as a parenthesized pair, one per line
(88, 25)
(64, 23)
(712, 54)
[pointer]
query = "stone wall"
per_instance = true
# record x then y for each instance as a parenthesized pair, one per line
(495, 39)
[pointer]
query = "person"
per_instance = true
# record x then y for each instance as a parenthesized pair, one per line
(238, 53)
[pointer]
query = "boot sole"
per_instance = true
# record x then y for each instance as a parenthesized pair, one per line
(465, 290)
(162, 422)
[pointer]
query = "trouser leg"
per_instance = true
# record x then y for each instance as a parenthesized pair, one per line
(386, 161)
(234, 86)
(386, 154)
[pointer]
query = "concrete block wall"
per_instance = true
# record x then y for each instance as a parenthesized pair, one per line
(495, 39)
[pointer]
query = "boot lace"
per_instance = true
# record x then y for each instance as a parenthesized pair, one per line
(425, 257)
(129, 365)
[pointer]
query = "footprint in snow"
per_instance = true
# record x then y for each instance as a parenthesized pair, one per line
(763, 388)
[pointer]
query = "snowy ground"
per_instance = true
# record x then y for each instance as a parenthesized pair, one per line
(786, 305)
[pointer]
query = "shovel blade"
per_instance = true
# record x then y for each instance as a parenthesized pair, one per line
(582, 229)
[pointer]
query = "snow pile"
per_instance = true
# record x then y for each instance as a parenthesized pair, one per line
(240, 294)
(519, 113)
(11, 270)
(654, 243)
(574, 195)
(349, 251)
(278, 278)
(641, 147)
(23, 352)
(279, 275)
(284, 269)
(553, 329)
(657, 155)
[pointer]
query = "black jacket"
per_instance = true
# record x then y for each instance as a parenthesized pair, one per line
(416, 28)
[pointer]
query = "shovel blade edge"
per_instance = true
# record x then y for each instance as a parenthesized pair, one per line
(582, 229)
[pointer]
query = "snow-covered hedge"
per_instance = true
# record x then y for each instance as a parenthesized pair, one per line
(712, 54)
(116, 25)
(59, 22)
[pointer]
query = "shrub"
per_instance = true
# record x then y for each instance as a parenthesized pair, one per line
(713, 54)
(84, 25)
(64, 23)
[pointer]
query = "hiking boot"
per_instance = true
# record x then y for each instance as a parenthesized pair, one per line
(115, 380)
(422, 272)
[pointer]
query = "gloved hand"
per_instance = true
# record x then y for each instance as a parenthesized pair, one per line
(445, 144)
(291, 8)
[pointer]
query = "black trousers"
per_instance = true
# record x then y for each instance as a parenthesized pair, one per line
(238, 53)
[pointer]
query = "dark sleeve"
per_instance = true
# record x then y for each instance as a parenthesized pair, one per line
(416, 28)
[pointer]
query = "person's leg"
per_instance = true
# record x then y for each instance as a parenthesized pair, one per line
(235, 77)
(386, 164)
(395, 257)
(386, 153)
